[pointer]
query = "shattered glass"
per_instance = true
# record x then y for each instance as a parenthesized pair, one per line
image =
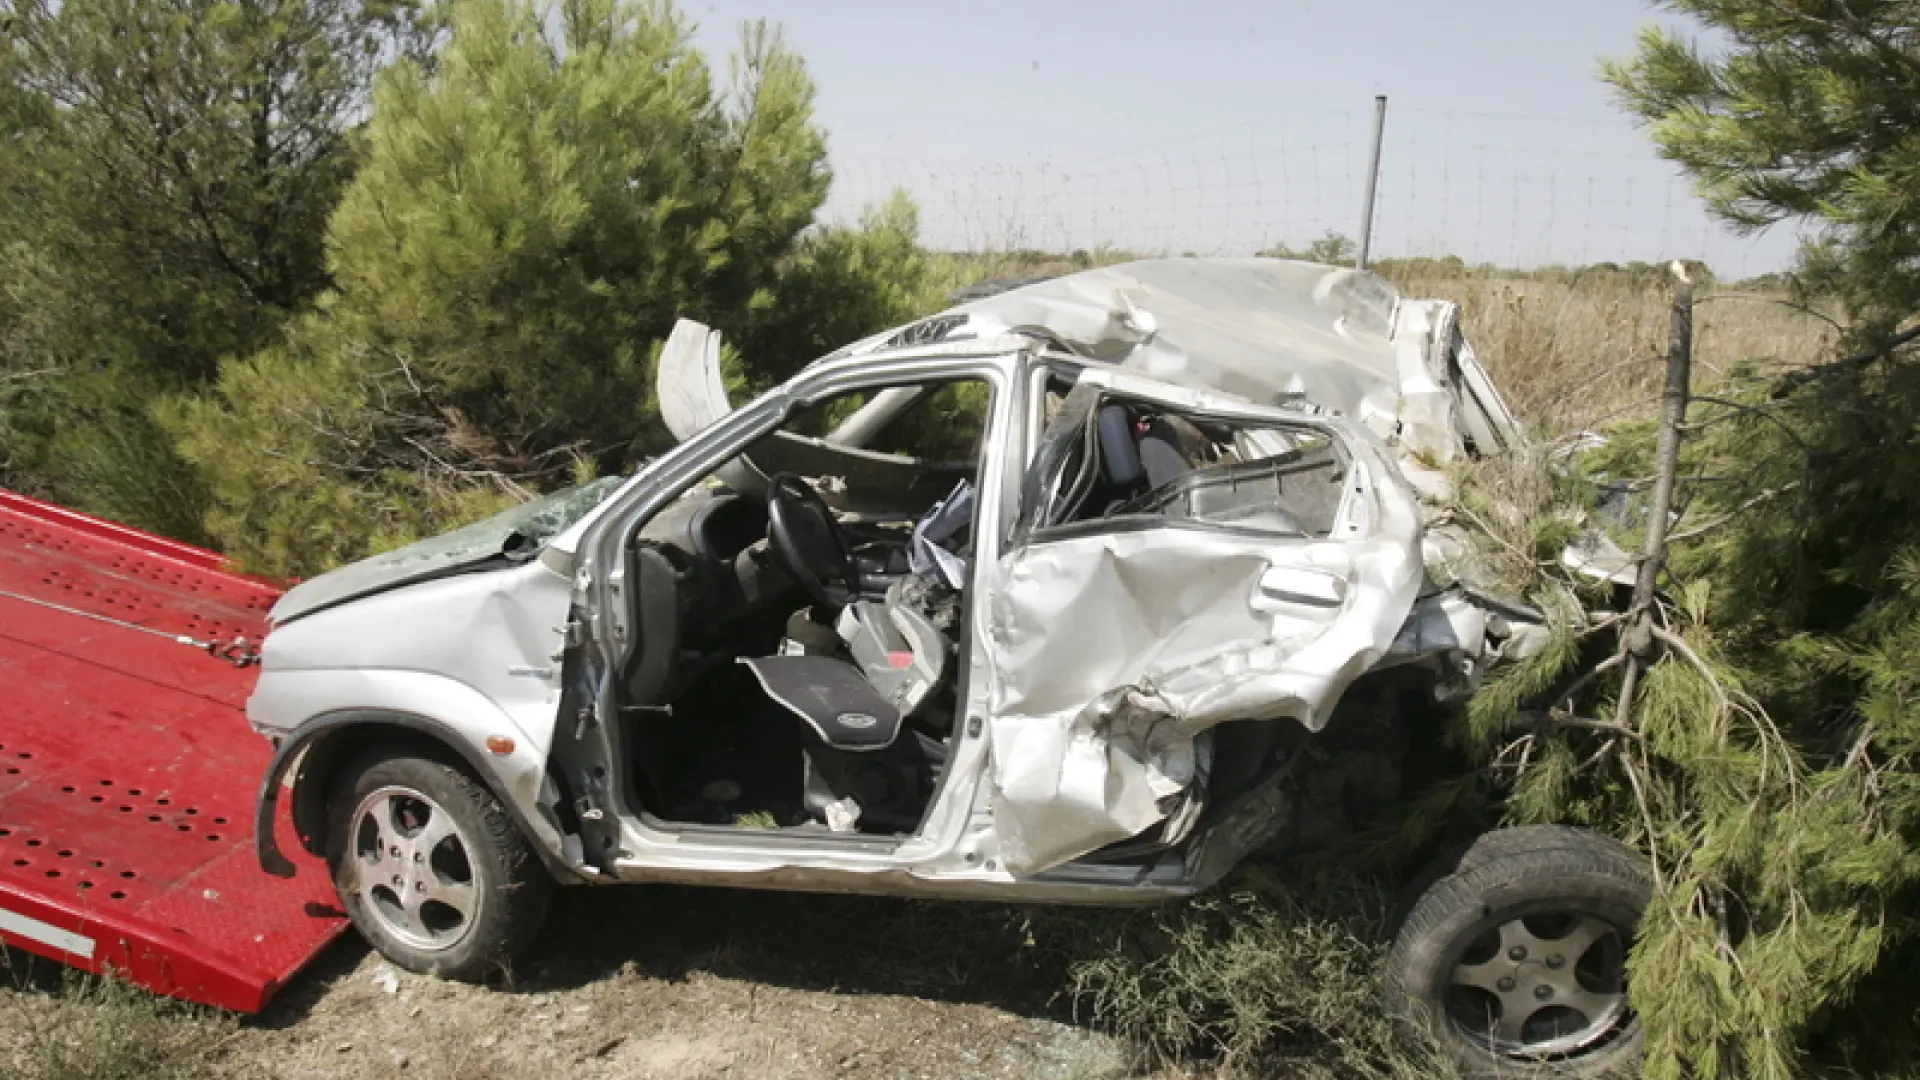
(518, 533)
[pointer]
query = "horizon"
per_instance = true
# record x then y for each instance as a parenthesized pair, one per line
(1027, 127)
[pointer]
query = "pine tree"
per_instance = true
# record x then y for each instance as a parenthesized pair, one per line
(1764, 756)
(536, 209)
(170, 166)
(1811, 111)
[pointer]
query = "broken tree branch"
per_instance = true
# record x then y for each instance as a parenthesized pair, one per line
(1666, 459)
(1769, 493)
(1637, 639)
(1741, 409)
(1794, 380)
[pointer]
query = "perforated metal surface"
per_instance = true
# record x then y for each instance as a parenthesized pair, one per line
(127, 772)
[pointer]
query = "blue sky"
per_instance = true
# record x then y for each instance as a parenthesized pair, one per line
(1220, 126)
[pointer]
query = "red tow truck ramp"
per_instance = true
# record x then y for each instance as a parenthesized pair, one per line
(127, 770)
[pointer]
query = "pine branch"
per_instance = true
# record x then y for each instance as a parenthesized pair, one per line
(1860, 747)
(1607, 749)
(1793, 381)
(1585, 724)
(1586, 679)
(1681, 649)
(1764, 496)
(1794, 305)
(1632, 771)
(1743, 409)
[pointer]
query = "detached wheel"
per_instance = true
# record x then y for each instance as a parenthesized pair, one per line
(432, 871)
(1515, 963)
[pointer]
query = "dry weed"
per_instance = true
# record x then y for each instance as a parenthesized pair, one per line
(87, 1028)
(1576, 353)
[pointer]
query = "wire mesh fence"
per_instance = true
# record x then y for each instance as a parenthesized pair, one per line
(1512, 190)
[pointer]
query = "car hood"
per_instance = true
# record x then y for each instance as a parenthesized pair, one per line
(507, 538)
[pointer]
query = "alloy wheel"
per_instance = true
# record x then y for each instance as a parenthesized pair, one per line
(1541, 985)
(413, 868)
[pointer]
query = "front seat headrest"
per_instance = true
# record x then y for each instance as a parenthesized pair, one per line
(1119, 456)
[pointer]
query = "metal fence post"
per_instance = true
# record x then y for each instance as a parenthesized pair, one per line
(1373, 182)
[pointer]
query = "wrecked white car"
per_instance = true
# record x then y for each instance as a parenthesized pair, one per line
(1080, 592)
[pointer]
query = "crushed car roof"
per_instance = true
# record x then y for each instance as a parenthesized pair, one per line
(1268, 330)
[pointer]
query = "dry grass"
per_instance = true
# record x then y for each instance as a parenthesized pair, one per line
(1575, 353)
(1275, 973)
(656, 983)
(64, 1026)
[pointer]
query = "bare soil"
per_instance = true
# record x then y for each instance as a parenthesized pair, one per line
(658, 982)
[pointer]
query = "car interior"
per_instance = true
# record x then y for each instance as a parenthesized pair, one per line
(801, 631)
(1106, 463)
(798, 622)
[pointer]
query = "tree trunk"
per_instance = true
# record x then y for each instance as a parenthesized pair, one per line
(1638, 636)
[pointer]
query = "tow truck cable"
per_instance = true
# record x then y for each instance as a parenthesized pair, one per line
(239, 652)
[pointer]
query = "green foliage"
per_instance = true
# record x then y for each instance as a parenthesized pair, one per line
(1276, 969)
(1765, 761)
(1491, 713)
(277, 433)
(1765, 771)
(1333, 248)
(839, 285)
(152, 223)
(96, 431)
(535, 210)
(1807, 112)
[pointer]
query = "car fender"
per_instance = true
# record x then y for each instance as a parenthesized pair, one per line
(306, 761)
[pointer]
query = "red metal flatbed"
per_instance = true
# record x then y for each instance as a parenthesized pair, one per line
(127, 770)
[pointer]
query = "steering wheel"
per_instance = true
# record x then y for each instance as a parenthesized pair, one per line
(806, 538)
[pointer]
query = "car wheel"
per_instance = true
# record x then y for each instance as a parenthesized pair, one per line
(432, 871)
(1514, 963)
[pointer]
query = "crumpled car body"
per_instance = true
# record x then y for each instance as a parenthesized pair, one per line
(1113, 698)
(1271, 331)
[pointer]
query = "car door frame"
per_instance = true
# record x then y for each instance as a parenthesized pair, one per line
(602, 634)
(1379, 517)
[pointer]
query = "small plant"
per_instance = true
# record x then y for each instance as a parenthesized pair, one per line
(97, 1028)
(1277, 970)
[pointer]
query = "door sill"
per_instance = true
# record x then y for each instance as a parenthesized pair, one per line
(782, 836)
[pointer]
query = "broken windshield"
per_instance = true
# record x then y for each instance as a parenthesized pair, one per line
(519, 531)
(514, 535)
(525, 529)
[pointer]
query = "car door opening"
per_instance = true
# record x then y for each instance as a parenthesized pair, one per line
(800, 642)
(1106, 460)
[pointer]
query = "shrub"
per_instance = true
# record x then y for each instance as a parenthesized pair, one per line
(536, 209)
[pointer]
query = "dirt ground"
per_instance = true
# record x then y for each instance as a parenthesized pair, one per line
(664, 983)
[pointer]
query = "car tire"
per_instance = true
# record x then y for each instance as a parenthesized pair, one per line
(1513, 962)
(431, 869)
